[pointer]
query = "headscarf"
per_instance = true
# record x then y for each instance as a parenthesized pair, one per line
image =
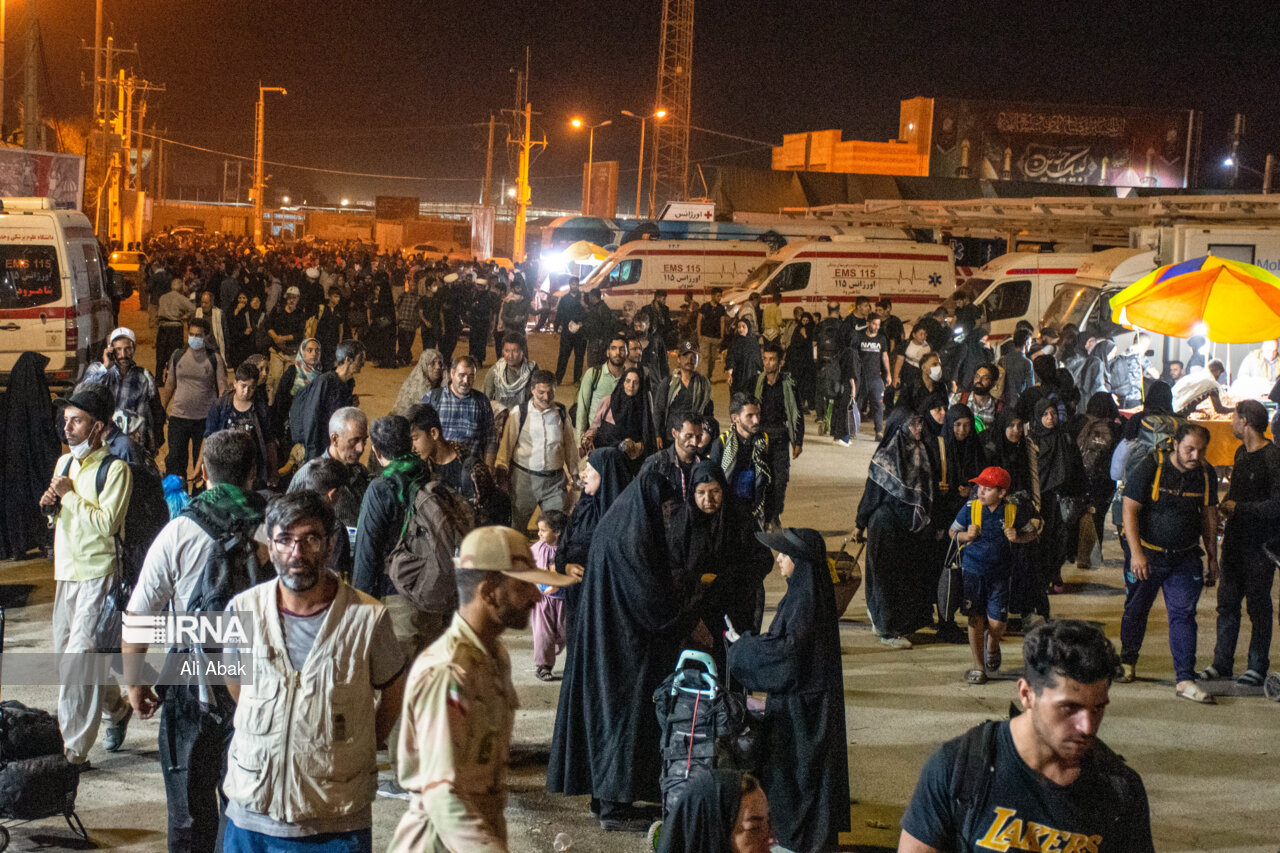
(935, 440)
(1159, 401)
(417, 384)
(611, 464)
(965, 459)
(407, 472)
(631, 416)
(800, 653)
(1006, 454)
(1102, 406)
(900, 466)
(305, 374)
(697, 537)
(1053, 449)
(704, 817)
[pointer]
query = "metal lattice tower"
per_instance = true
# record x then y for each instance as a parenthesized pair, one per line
(675, 76)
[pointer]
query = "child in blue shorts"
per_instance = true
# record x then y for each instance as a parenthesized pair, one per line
(984, 529)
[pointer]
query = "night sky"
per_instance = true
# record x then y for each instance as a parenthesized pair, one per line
(395, 87)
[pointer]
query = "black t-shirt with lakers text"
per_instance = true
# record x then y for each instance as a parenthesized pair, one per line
(1020, 810)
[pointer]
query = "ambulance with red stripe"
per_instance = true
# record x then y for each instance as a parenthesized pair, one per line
(918, 277)
(641, 267)
(1020, 286)
(54, 296)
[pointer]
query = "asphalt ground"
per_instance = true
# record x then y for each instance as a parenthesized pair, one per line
(1212, 772)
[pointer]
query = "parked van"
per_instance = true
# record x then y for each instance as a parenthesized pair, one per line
(640, 267)
(1085, 299)
(918, 277)
(53, 294)
(1019, 286)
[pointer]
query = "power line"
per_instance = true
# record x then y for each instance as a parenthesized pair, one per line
(308, 168)
(759, 142)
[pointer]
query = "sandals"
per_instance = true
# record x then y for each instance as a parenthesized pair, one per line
(1193, 693)
(1210, 673)
(543, 673)
(993, 659)
(1127, 673)
(1251, 678)
(975, 676)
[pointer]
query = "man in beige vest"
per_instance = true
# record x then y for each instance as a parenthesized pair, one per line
(302, 761)
(459, 703)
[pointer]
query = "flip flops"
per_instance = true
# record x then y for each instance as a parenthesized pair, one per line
(1193, 693)
(1251, 678)
(993, 659)
(975, 676)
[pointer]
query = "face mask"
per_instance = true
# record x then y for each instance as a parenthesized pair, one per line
(195, 342)
(81, 450)
(935, 373)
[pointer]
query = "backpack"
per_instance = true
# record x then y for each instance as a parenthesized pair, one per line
(975, 767)
(524, 413)
(147, 514)
(951, 582)
(420, 565)
(829, 379)
(36, 779)
(1095, 443)
(573, 410)
(232, 565)
(1155, 435)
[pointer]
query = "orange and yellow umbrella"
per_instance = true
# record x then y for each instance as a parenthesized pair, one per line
(1237, 303)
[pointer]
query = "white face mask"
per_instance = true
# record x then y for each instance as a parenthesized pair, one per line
(81, 450)
(935, 373)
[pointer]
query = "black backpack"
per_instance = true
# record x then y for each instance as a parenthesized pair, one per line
(975, 767)
(233, 564)
(147, 514)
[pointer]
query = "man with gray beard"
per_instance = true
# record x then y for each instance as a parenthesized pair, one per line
(303, 759)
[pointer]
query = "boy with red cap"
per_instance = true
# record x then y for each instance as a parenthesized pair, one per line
(984, 529)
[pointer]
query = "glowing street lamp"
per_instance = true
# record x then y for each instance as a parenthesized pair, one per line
(346, 201)
(657, 116)
(578, 124)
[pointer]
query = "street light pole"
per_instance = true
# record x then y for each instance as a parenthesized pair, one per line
(259, 181)
(591, 145)
(657, 114)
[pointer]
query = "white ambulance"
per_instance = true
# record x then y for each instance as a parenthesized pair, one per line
(641, 267)
(1084, 300)
(1019, 286)
(918, 277)
(54, 297)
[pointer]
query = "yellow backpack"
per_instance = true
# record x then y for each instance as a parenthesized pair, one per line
(975, 514)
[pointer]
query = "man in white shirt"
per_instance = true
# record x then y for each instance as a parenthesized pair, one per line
(213, 314)
(195, 719)
(538, 452)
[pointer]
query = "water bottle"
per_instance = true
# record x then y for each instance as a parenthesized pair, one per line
(562, 842)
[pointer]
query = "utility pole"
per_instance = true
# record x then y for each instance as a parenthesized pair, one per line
(30, 103)
(259, 180)
(2, 17)
(488, 167)
(523, 194)
(1237, 133)
(98, 105)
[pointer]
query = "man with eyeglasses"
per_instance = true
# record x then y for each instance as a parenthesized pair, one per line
(302, 766)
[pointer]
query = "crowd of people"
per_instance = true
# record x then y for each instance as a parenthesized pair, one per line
(388, 553)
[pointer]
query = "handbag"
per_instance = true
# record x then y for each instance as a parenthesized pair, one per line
(1071, 509)
(950, 585)
(106, 632)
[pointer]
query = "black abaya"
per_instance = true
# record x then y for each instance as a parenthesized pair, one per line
(626, 639)
(704, 817)
(894, 513)
(805, 772)
(29, 447)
